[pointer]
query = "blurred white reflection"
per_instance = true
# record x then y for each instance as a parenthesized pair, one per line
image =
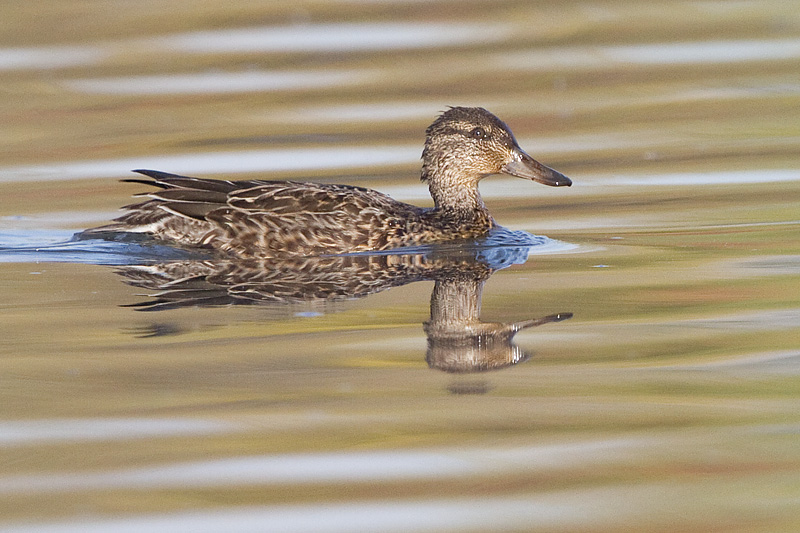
(603, 57)
(50, 57)
(25, 432)
(349, 37)
(232, 162)
(220, 82)
(333, 467)
(464, 514)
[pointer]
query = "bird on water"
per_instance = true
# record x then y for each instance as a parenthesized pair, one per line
(265, 219)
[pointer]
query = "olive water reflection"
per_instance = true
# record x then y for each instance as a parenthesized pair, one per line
(458, 341)
(668, 403)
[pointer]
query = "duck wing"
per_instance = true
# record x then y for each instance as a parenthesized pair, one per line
(268, 218)
(186, 196)
(285, 217)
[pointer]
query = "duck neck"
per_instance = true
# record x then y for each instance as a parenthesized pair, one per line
(462, 199)
(459, 197)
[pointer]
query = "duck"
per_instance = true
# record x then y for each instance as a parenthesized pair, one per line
(274, 219)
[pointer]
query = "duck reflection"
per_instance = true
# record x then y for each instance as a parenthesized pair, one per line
(458, 341)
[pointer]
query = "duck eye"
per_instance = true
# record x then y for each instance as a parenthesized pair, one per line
(478, 133)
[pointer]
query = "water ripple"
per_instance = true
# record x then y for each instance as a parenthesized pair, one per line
(220, 82)
(348, 37)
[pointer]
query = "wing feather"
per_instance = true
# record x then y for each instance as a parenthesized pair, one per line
(265, 218)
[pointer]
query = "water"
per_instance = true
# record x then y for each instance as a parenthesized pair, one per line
(624, 358)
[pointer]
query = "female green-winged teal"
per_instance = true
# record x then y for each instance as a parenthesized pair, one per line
(255, 218)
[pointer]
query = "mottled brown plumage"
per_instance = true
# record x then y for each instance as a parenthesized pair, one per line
(285, 218)
(318, 281)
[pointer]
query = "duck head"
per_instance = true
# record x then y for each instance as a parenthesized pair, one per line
(466, 144)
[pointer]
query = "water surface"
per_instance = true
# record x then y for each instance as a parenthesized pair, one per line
(633, 367)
